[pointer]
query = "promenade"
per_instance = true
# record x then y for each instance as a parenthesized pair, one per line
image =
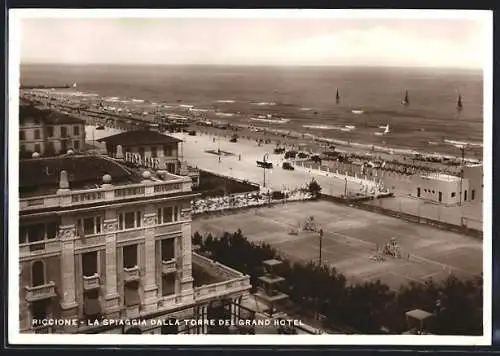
(195, 153)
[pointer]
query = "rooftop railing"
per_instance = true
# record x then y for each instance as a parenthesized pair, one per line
(106, 194)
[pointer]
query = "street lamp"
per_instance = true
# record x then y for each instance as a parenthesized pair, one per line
(462, 149)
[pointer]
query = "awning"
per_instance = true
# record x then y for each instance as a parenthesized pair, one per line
(132, 296)
(92, 307)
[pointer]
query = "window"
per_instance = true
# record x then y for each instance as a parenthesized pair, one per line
(22, 136)
(92, 306)
(154, 152)
(171, 167)
(22, 148)
(473, 194)
(76, 145)
(89, 226)
(37, 134)
(129, 220)
(52, 229)
(168, 214)
(167, 151)
(168, 284)
(36, 120)
(131, 294)
(89, 263)
(37, 147)
(50, 150)
(453, 194)
(129, 256)
(76, 130)
(50, 131)
(167, 249)
(64, 131)
(39, 310)
(37, 274)
(38, 232)
(142, 152)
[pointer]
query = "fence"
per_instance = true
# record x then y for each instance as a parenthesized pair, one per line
(366, 204)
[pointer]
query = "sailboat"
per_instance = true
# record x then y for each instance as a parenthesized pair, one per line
(406, 100)
(385, 132)
(337, 97)
(459, 103)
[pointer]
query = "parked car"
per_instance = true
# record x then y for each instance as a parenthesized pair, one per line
(288, 166)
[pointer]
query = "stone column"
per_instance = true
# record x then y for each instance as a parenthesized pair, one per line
(69, 306)
(150, 286)
(204, 316)
(187, 277)
(112, 298)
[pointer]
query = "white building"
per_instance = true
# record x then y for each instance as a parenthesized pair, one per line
(440, 188)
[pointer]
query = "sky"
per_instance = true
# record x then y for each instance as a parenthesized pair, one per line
(453, 43)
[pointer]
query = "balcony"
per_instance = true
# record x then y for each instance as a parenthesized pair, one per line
(39, 247)
(131, 274)
(91, 282)
(213, 280)
(44, 291)
(168, 266)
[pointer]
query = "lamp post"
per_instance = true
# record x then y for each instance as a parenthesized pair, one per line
(266, 155)
(462, 149)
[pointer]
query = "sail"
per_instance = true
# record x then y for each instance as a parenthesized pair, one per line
(406, 100)
(337, 97)
(459, 103)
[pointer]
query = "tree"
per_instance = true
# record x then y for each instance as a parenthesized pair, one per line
(314, 188)
(367, 307)
(197, 238)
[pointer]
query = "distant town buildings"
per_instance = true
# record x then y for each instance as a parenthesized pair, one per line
(48, 132)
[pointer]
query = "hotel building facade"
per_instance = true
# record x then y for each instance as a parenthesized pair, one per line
(99, 240)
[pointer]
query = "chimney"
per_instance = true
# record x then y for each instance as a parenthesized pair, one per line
(119, 152)
(63, 181)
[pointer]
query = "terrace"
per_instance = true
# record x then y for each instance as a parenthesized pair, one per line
(93, 179)
(213, 279)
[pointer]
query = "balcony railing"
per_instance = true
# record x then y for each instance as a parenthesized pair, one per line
(106, 194)
(39, 247)
(217, 289)
(168, 266)
(44, 291)
(91, 282)
(131, 274)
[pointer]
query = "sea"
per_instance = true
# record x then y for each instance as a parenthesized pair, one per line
(303, 99)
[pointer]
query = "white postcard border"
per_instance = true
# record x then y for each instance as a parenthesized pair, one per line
(15, 35)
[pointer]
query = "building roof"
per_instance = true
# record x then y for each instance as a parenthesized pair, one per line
(41, 175)
(441, 177)
(418, 314)
(139, 137)
(49, 117)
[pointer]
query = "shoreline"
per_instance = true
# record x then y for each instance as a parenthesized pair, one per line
(68, 100)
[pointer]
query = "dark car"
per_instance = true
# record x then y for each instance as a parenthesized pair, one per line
(288, 166)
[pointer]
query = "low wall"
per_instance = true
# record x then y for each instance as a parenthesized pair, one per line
(212, 184)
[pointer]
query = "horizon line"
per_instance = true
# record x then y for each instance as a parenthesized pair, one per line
(248, 65)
